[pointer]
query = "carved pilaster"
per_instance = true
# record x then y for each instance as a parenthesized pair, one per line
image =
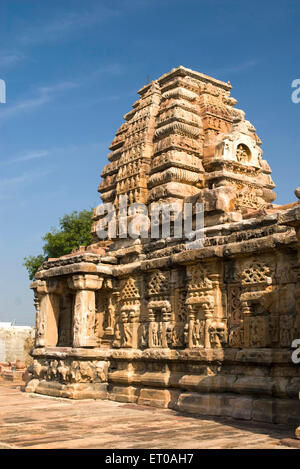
(84, 314)
(208, 320)
(46, 301)
(159, 308)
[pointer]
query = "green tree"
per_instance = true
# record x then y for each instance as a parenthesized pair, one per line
(74, 231)
(33, 263)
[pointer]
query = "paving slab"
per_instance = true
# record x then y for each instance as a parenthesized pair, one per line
(41, 422)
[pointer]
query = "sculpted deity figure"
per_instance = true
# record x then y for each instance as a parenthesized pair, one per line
(217, 332)
(117, 341)
(127, 333)
(186, 335)
(159, 335)
(170, 335)
(242, 154)
(127, 338)
(144, 336)
(155, 334)
(110, 316)
(196, 333)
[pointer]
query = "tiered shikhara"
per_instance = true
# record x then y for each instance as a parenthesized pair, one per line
(206, 330)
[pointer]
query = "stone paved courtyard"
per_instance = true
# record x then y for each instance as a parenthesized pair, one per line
(40, 422)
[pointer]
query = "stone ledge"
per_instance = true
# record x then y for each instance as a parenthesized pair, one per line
(280, 411)
(255, 356)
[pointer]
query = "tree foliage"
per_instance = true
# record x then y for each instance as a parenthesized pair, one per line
(33, 263)
(74, 231)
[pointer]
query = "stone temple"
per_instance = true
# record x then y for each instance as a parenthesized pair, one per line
(206, 330)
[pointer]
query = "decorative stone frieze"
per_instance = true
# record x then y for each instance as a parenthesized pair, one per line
(150, 321)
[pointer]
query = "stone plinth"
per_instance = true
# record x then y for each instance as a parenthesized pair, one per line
(207, 328)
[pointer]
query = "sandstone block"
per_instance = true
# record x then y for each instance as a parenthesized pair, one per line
(157, 397)
(123, 393)
(264, 410)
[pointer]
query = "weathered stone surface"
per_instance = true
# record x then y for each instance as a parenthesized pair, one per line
(206, 329)
(15, 343)
(43, 422)
(123, 393)
(287, 411)
(225, 405)
(157, 397)
(263, 410)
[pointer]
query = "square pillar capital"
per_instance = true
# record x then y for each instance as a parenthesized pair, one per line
(85, 282)
(44, 287)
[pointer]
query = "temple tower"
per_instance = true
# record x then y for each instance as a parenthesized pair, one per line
(185, 141)
(165, 322)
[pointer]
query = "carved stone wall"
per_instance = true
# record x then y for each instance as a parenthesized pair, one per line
(205, 330)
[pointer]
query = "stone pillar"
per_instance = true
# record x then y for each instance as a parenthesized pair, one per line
(292, 218)
(46, 293)
(84, 313)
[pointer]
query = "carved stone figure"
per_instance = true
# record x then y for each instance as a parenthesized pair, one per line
(218, 334)
(242, 155)
(196, 333)
(117, 341)
(144, 336)
(160, 320)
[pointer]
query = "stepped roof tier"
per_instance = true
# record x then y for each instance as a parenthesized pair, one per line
(184, 140)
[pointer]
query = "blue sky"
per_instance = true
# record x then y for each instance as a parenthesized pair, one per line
(72, 69)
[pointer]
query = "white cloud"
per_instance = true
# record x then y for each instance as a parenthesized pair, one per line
(24, 105)
(55, 29)
(242, 67)
(25, 157)
(9, 187)
(12, 188)
(43, 95)
(66, 23)
(66, 85)
(8, 59)
(55, 151)
(79, 148)
(26, 177)
(108, 69)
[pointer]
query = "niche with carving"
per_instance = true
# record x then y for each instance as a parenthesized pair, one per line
(243, 153)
